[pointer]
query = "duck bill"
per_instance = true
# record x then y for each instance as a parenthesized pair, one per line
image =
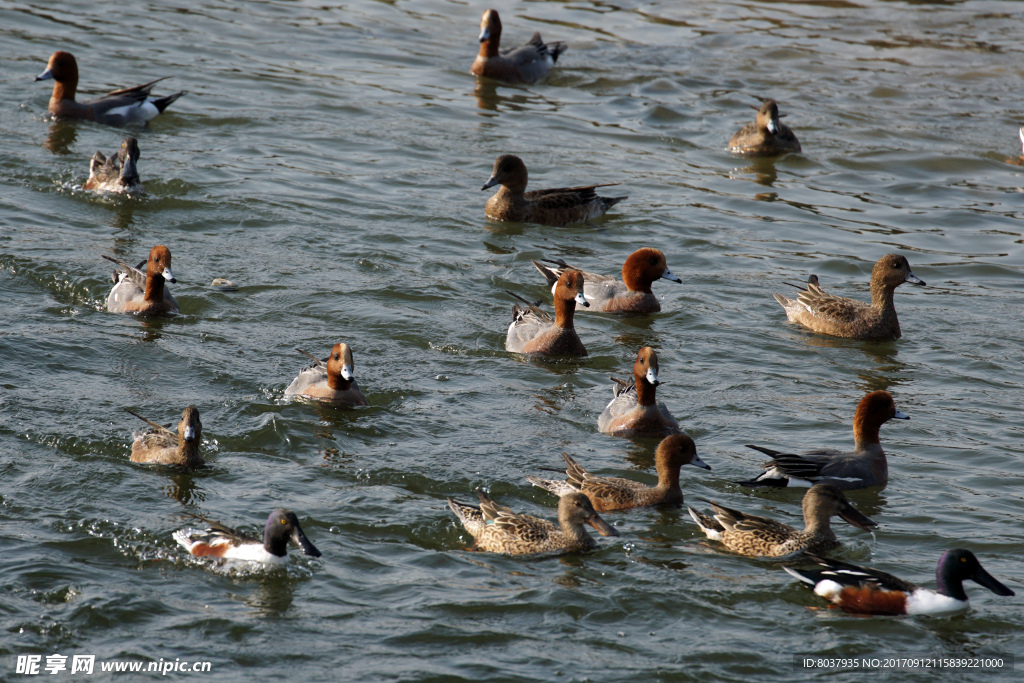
(669, 276)
(307, 548)
(858, 519)
(773, 126)
(45, 76)
(697, 462)
(982, 577)
(913, 279)
(582, 300)
(605, 529)
(190, 434)
(491, 182)
(485, 35)
(652, 377)
(129, 171)
(346, 373)
(168, 275)
(901, 416)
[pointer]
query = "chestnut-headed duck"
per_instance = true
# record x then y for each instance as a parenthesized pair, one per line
(231, 544)
(631, 294)
(860, 468)
(330, 380)
(534, 331)
(1019, 161)
(527, 64)
(635, 411)
(863, 590)
(497, 529)
(160, 446)
(130, 106)
(118, 173)
(614, 493)
(842, 317)
(143, 292)
(755, 536)
(560, 206)
(766, 135)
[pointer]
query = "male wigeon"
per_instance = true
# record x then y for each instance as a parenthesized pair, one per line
(527, 64)
(559, 206)
(863, 590)
(160, 446)
(497, 529)
(118, 173)
(222, 541)
(842, 317)
(615, 493)
(143, 292)
(635, 411)
(331, 382)
(631, 294)
(534, 331)
(860, 468)
(118, 108)
(755, 536)
(766, 135)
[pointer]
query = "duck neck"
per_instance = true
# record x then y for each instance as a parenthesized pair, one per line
(949, 586)
(489, 48)
(668, 477)
(817, 522)
(865, 432)
(564, 311)
(576, 533)
(188, 452)
(63, 91)
(882, 296)
(155, 288)
(645, 393)
(338, 383)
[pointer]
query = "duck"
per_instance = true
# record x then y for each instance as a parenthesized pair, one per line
(331, 381)
(635, 411)
(755, 536)
(534, 332)
(160, 446)
(527, 64)
(766, 136)
(555, 207)
(863, 590)
(841, 317)
(143, 292)
(608, 494)
(631, 294)
(129, 106)
(230, 544)
(498, 529)
(862, 467)
(119, 173)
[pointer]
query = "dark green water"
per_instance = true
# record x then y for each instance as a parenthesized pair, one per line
(328, 159)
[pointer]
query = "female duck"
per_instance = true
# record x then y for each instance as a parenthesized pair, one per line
(160, 446)
(560, 206)
(143, 292)
(117, 173)
(331, 382)
(635, 411)
(766, 136)
(533, 330)
(632, 294)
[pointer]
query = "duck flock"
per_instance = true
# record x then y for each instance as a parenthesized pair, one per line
(634, 410)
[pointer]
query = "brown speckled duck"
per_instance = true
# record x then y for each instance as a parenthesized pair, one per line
(755, 536)
(117, 173)
(635, 410)
(498, 529)
(842, 317)
(631, 294)
(527, 64)
(614, 493)
(160, 446)
(766, 136)
(533, 330)
(559, 206)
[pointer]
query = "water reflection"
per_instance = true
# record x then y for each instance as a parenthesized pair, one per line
(487, 97)
(61, 138)
(763, 169)
(272, 597)
(184, 489)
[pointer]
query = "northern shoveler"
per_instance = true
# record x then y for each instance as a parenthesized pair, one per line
(117, 173)
(862, 590)
(755, 536)
(862, 467)
(498, 529)
(222, 541)
(160, 446)
(614, 493)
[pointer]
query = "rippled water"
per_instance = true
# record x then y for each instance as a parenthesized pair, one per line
(328, 159)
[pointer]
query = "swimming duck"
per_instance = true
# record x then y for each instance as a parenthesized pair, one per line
(117, 108)
(635, 411)
(614, 493)
(766, 136)
(842, 317)
(755, 536)
(160, 446)
(860, 468)
(527, 64)
(221, 541)
(632, 294)
(559, 206)
(118, 173)
(533, 331)
(862, 590)
(143, 292)
(331, 382)
(498, 529)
